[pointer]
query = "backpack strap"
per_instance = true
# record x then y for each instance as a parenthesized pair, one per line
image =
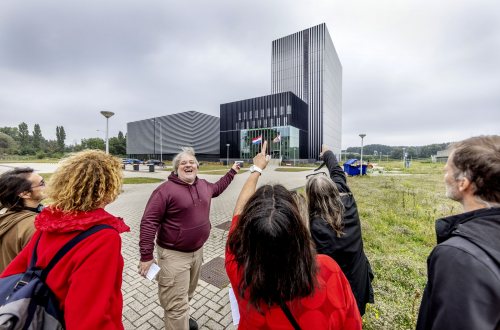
(289, 316)
(68, 246)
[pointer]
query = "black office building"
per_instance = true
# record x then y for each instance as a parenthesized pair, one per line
(281, 119)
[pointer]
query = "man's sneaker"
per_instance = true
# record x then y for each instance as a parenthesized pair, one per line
(192, 324)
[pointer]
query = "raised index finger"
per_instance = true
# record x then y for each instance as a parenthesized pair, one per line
(264, 147)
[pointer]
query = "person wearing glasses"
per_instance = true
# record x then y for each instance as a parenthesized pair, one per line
(21, 191)
(278, 279)
(336, 228)
(87, 280)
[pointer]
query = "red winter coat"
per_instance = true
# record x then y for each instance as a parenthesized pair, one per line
(332, 306)
(87, 280)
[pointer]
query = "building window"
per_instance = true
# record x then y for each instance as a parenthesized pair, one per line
(236, 125)
(269, 112)
(244, 116)
(278, 121)
(239, 116)
(250, 114)
(256, 114)
(274, 111)
(271, 122)
(289, 109)
(265, 122)
(284, 121)
(261, 113)
(282, 110)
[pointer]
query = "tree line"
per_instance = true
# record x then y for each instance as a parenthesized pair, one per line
(19, 141)
(380, 151)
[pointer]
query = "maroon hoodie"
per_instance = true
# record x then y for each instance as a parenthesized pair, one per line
(179, 213)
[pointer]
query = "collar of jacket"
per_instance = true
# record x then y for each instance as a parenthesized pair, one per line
(175, 179)
(446, 227)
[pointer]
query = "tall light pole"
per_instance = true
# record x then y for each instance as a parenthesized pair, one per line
(227, 154)
(362, 136)
(161, 139)
(107, 114)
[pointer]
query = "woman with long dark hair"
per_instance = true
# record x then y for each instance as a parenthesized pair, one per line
(336, 228)
(278, 280)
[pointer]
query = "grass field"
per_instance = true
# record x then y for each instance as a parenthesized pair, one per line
(398, 214)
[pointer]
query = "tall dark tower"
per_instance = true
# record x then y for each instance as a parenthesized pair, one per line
(306, 63)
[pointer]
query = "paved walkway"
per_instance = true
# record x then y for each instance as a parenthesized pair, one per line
(210, 305)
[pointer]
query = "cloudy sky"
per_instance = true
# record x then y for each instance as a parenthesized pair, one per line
(414, 72)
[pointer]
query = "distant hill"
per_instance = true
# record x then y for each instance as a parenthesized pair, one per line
(396, 152)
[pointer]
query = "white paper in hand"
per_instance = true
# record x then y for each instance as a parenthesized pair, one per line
(235, 311)
(153, 270)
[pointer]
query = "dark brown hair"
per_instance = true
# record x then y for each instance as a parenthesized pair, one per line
(273, 249)
(12, 183)
(478, 159)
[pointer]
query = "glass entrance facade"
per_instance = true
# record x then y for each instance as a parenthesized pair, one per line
(288, 146)
(282, 114)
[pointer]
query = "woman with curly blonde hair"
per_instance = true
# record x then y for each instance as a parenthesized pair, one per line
(87, 280)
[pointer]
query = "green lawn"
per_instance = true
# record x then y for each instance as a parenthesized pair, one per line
(139, 180)
(398, 214)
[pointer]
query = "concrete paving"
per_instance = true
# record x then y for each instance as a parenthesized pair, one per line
(210, 305)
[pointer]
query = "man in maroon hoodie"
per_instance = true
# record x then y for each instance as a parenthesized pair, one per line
(177, 213)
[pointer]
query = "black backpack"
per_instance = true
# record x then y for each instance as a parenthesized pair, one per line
(26, 302)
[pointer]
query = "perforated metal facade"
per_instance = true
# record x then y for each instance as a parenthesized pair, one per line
(191, 128)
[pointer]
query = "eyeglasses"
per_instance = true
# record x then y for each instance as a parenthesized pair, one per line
(313, 174)
(41, 184)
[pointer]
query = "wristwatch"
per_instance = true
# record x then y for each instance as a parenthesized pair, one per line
(254, 168)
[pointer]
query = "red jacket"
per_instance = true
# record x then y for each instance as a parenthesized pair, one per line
(332, 306)
(179, 213)
(87, 280)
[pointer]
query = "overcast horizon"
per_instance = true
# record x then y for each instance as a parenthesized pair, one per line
(414, 72)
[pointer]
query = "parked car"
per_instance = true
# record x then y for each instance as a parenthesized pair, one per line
(131, 161)
(155, 162)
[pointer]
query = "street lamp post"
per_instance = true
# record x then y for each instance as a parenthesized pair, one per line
(227, 154)
(294, 157)
(362, 137)
(107, 114)
(161, 140)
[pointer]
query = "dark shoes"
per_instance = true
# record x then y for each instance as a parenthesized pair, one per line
(192, 324)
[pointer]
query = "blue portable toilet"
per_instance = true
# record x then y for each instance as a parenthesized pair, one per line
(351, 167)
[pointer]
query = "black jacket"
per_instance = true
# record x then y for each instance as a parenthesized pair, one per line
(347, 250)
(463, 286)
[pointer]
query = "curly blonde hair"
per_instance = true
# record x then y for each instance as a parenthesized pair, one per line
(85, 181)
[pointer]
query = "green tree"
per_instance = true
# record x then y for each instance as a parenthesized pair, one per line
(25, 140)
(24, 134)
(13, 132)
(93, 143)
(118, 145)
(7, 144)
(37, 137)
(60, 137)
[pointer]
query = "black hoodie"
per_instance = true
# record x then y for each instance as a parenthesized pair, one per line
(463, 287)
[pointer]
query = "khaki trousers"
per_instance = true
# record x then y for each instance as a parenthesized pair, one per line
(177, 281)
